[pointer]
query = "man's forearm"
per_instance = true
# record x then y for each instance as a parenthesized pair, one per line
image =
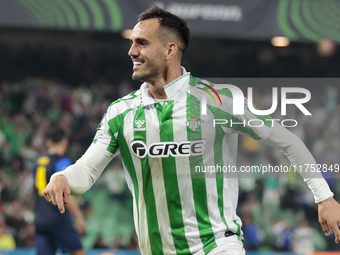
(83, 174)
(298, 155)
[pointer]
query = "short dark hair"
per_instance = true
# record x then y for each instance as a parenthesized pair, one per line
(55, 134)
(167, 20)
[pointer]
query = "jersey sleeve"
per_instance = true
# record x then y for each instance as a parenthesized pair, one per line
(61, 164)
(83, 174)
(300, 157)
(256, 126)
(106, 136)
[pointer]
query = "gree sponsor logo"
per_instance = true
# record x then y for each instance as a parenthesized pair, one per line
(166, 149)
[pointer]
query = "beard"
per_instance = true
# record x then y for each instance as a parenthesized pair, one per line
(149, 70)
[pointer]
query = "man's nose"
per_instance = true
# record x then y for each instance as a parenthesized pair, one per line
(133, 51)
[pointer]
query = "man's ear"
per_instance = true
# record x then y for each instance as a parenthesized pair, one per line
(171, 50)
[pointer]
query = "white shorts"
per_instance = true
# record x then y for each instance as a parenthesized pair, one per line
(226, 246)
(232, 248)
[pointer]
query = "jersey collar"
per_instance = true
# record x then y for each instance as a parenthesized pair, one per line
(175, 90)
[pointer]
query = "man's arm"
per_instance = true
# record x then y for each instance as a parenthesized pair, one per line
(77, 178)
(298, 154)
(73, 207)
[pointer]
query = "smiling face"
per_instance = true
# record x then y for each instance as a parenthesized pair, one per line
(148, 51)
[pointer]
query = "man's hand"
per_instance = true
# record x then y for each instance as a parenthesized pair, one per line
(58, 192)
(329, 217)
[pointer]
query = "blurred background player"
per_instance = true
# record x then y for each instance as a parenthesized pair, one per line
(53, 229)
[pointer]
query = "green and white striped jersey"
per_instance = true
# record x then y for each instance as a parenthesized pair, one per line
(176, 209)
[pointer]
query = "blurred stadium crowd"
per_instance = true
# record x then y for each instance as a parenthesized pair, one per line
(277, 213)
(28, 109)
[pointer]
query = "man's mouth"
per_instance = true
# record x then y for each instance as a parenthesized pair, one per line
(137, 64)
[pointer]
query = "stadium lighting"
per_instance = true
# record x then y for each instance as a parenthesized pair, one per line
(280, 41)
(126, 33)
(326, 47)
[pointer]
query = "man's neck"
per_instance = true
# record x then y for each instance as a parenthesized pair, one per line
(157, 88)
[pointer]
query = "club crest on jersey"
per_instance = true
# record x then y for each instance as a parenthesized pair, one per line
(193, 123)
(138, 125)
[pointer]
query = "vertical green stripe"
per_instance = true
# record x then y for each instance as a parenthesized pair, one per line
(170, 181)
(218, 160)
(117, 124)
(198, 184)
(149, 197)
(127, 159)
